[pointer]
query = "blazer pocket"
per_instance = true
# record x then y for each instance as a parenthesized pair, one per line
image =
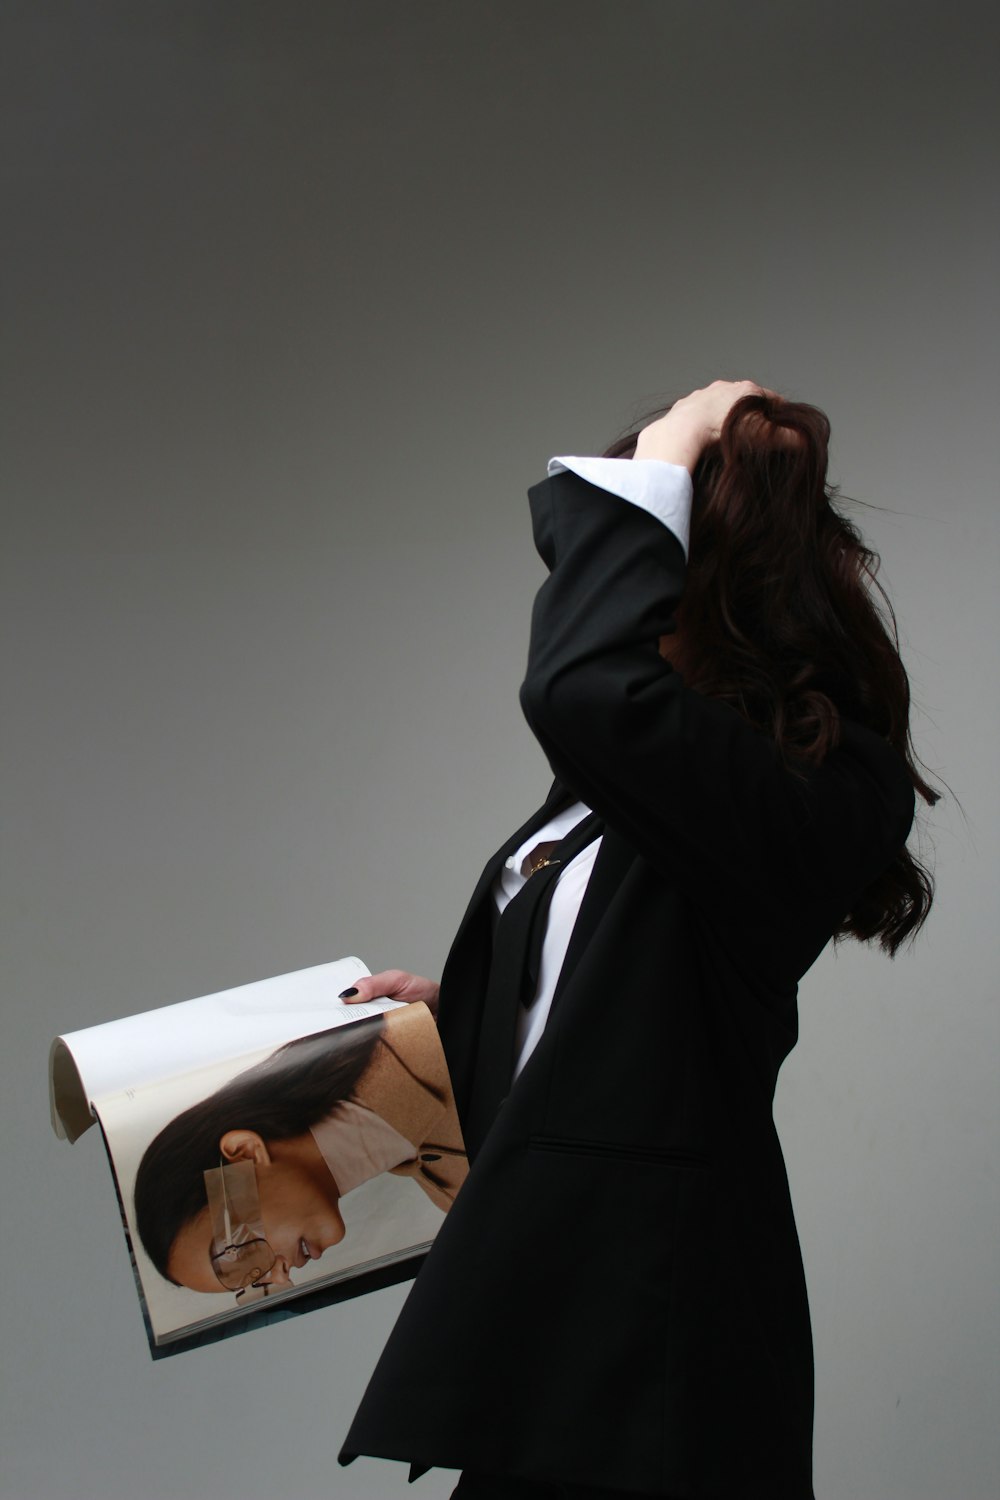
(612, 1151)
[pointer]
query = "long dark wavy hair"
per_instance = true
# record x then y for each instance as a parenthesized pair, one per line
(784, 618)
(295, 1087)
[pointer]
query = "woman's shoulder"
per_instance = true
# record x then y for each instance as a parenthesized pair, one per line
(859, 802)
(870, 754)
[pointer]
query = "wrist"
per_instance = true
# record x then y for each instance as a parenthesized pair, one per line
(683, 444)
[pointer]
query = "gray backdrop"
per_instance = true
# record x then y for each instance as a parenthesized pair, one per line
(300, 299)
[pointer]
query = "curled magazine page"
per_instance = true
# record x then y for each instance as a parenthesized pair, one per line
(87, 1065)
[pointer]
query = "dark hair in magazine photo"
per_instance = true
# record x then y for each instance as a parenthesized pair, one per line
(279, 1098)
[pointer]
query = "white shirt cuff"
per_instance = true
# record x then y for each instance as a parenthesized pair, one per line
(664, 490)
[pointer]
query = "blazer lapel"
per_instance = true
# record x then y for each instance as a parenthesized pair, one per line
(557, 797)
(613, 860)
(463, 982)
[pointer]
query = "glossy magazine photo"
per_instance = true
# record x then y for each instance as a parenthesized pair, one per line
(273, 1150)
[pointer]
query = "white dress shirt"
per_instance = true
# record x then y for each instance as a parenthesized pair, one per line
(665, 491)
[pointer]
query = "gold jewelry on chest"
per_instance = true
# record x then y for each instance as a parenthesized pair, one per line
(538, 858)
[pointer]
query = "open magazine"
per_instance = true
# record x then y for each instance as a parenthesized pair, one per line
(273, 1148)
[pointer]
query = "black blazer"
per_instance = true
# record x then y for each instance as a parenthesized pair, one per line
(617, 1296)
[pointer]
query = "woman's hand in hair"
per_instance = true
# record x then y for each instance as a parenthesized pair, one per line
(685, 431)
(394, 984)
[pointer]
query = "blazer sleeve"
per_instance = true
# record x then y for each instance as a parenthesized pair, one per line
(693, 787)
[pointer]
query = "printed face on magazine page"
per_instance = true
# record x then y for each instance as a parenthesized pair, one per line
(299, 1204)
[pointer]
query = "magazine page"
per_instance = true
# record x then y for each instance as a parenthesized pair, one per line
(129, 1053)
(249, 1183)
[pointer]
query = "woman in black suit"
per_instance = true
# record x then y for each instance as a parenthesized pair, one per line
(616, 1304)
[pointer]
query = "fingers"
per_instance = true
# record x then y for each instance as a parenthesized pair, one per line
(731, 391)
(728, 392)
(714, 403)
(389, 983)
(393, 984)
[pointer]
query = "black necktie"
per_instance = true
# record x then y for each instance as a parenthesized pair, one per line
(513, 979)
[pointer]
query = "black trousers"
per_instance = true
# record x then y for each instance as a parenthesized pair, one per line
(497, 1487)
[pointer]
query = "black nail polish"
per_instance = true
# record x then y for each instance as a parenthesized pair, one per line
(346, 994)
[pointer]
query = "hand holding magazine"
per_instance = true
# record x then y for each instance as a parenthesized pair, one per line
(273, 1148)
